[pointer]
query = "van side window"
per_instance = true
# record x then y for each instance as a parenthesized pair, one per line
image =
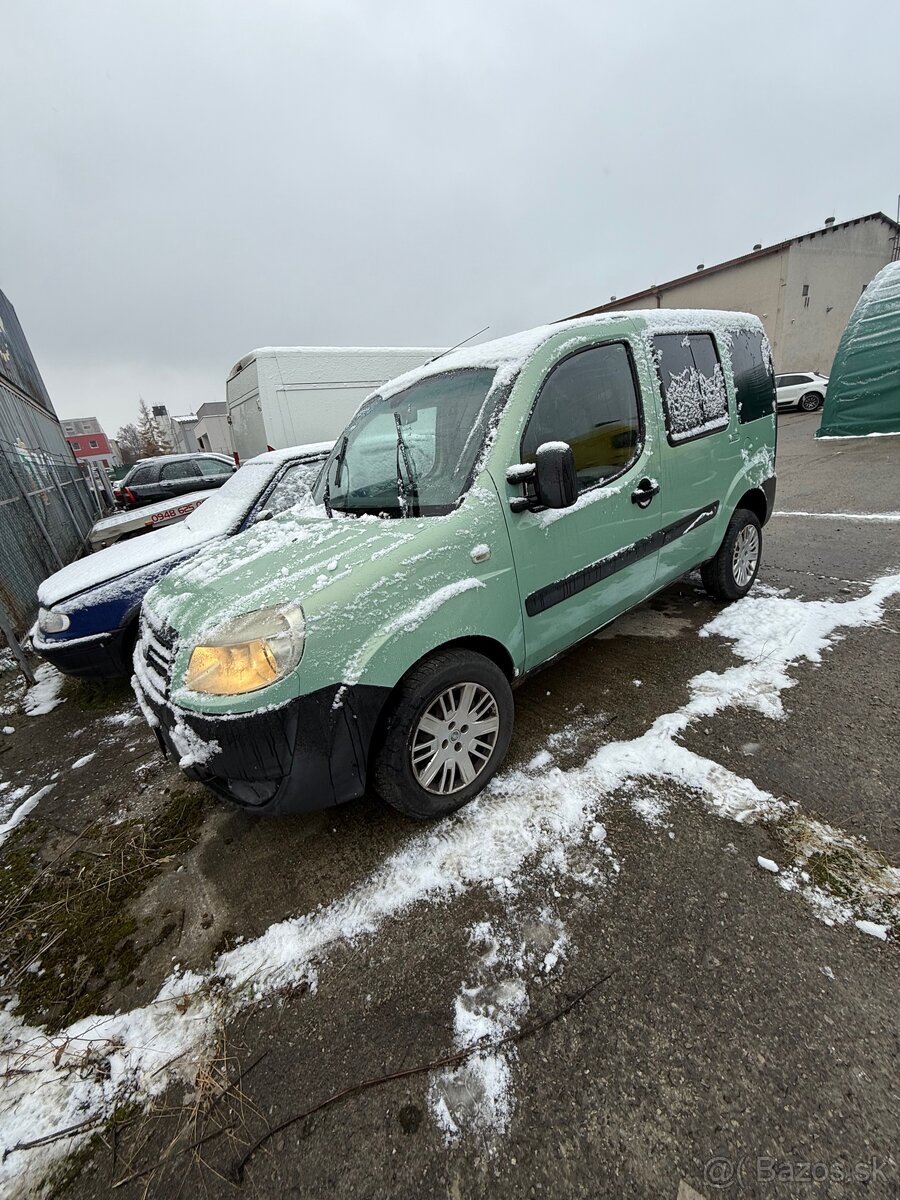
(753, 381)
(693, 387)
(589, 401)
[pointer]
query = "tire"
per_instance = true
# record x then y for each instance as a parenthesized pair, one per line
(732, 573)
(811, 402)
(413, 747)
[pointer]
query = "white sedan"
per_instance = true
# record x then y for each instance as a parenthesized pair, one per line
(804, 390)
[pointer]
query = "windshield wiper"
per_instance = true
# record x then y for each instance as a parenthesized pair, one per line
(338, 463)
(403, 490)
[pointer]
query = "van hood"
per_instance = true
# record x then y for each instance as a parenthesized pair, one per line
(297, 557)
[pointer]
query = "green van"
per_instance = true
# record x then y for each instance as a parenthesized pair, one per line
(479, 516)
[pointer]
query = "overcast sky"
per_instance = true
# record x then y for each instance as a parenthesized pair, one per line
(184, 181)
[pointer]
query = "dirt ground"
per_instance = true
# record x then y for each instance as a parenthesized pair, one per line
(693, 1026)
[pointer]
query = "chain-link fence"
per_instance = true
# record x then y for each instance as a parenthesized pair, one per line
(47, 508)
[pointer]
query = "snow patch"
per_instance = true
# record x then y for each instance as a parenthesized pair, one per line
(873, 929)
(43, 696)
(19, 814)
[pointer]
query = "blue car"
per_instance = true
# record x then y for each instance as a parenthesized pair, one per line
(87, 622)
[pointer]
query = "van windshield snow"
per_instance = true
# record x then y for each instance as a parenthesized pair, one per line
(414, 453)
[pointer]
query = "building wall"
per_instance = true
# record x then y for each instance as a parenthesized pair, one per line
(101, 450)
(46, 505)
(834, 264)
(213, 432)
(184, 436)
(81, 425)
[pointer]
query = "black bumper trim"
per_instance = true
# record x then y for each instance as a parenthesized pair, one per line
(308, 754)
(768, 487)
(99, 658)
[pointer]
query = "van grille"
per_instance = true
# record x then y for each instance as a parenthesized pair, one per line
(157, 646)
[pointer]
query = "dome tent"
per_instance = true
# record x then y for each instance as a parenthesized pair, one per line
(863, 395)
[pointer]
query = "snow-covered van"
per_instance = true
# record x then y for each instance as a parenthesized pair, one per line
(87, 622)
(284, 395)
(477, 517)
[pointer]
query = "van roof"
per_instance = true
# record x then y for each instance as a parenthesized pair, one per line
(514, 351)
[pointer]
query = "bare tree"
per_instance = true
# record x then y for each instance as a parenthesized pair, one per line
(130, 444)
(152, 440)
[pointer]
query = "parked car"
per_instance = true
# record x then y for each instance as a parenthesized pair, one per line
(374, 639)
(804, 390)
(87, 622)
(153, 479)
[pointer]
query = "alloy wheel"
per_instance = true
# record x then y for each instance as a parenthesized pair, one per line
(745, 555)
(454, 738)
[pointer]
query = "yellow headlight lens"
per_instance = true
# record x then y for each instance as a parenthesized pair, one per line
(247, 653)
(230, 670)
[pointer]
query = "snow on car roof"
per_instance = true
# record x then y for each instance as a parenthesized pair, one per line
(279, 456)
(514, 351)
(155, 458)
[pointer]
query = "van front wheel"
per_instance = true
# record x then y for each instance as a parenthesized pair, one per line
(447, 732)
(731, 574)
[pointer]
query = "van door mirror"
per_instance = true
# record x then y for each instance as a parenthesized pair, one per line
(555, 480)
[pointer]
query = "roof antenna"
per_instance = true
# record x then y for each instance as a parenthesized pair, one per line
(457, 346)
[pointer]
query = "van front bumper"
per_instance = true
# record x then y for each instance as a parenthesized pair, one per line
(307, 754)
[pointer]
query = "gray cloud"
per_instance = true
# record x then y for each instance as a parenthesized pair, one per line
(184, 181)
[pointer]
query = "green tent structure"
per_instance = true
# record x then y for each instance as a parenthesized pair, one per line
(863, 396)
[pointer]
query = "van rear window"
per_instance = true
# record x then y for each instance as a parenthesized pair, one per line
(693, 386)
(754, 382)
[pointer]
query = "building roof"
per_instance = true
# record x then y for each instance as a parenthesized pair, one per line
(762, 252)
(211, 408)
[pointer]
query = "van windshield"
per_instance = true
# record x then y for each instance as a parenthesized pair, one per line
(414, 453)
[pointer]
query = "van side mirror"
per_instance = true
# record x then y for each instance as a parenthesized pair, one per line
(555, 480)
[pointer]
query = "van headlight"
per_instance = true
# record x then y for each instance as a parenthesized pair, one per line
(52, 622)
(248, 652)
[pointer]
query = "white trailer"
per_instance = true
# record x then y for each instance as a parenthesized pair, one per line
(282, 396)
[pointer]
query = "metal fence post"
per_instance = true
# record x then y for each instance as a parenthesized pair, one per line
(18, 653)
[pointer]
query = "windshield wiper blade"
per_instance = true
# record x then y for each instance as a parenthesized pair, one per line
(338, 464)
(404, 490)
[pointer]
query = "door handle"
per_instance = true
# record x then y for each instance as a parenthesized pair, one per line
(644, 492)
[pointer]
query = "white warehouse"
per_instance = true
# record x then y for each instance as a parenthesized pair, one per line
(803, 289)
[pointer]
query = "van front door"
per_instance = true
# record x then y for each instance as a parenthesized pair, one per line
(579, 567)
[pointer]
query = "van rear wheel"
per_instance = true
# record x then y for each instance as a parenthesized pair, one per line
(732, 573)
(447, 732)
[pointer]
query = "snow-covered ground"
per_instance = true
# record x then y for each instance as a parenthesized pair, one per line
(538, 822)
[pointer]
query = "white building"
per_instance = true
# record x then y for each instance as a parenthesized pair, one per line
(803, 289)
(212, 431)
(178, 431)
